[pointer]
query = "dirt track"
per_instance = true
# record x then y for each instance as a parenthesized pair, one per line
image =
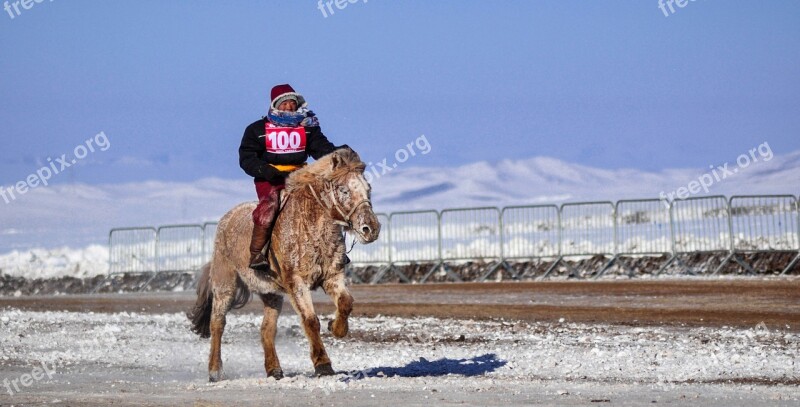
(736, 303)
(599, 354)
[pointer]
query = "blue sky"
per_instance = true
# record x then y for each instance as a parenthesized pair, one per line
(609, 84)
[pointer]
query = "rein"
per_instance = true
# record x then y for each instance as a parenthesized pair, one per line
(346, 222)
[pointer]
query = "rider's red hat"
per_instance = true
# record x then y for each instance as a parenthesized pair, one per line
(281, 93)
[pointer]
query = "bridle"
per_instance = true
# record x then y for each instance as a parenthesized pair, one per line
(345, 221)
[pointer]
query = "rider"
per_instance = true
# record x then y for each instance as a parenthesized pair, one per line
(271, 149)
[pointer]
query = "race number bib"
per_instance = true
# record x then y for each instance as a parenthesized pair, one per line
(285, 140)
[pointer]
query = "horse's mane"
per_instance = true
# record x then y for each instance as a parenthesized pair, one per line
(330, 167)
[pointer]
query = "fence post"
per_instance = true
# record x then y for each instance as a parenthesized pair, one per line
(797, 258)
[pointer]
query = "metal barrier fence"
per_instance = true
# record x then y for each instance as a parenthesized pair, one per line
(415, 238)
(764, 223)
(427, 242)
(132, 250)
(209, 236)
(471, 234)
(701, 225)
(377, 253)
(643, 228)
(531, 232)
(166, 249)
(179, 248)
(587, 229)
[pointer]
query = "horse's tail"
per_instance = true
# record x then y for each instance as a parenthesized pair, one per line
(242, 296)
(200, 316)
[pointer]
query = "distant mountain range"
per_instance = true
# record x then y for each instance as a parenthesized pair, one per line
(77, 215)
(546, 180)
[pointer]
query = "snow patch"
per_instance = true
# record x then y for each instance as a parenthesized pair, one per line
(53, 263)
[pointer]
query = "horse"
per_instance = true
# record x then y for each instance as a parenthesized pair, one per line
(306, 251)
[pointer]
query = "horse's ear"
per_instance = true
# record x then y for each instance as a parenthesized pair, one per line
(336, 160)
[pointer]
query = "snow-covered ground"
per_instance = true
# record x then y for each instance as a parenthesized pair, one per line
(105, 356)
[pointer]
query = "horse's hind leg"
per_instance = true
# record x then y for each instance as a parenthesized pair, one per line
(269, 327)
(337, 290)
(301, 301)
(221, 306)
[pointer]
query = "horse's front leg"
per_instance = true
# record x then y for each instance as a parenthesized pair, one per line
(269, 327)
(301, 301)
(220, 306)
(337, 290)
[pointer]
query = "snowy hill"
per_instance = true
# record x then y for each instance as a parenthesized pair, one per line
(78, 215)
(547, 180)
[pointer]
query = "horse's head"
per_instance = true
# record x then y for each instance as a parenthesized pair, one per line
(340, 186)
(351, 194)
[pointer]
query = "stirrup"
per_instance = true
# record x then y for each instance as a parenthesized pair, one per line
(260, 263)
(260, 267)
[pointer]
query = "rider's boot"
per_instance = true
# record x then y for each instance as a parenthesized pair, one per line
(258, 261)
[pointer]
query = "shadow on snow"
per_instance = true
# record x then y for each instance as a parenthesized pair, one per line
(476, 366)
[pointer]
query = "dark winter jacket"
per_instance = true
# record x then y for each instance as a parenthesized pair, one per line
(255, 159)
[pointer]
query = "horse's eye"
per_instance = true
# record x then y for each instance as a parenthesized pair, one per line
(344, 190)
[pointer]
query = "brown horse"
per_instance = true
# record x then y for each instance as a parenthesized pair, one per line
(307, 251)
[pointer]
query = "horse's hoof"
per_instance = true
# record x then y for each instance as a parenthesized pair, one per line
(324, 370)
(277, 374)
(341, 332)
(214, 377)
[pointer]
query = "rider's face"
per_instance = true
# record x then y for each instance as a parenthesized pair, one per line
(289, 105)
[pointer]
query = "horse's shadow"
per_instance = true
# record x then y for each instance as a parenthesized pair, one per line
(476, 366)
